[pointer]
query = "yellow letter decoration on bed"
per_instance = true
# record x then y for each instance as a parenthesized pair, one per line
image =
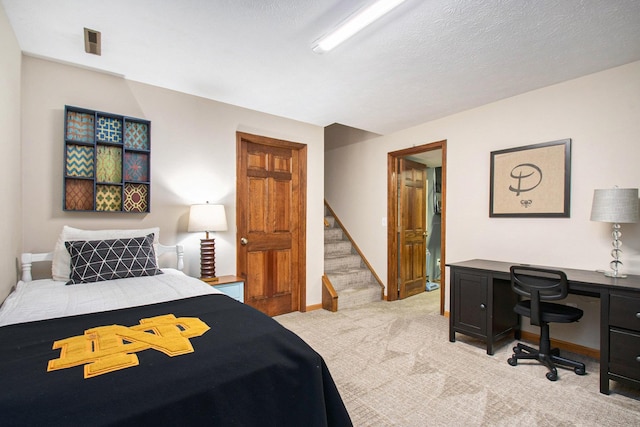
(106, 349)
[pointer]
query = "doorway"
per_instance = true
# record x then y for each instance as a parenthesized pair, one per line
(433, 154)
(271, 223)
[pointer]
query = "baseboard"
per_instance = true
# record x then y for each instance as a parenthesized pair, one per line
(313, 307)
(563, 345)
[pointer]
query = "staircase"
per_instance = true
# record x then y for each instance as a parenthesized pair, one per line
(350, 281)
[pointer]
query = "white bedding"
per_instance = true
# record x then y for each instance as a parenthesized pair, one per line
(47, 299)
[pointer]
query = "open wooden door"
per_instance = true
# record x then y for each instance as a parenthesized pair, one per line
(393, 222)
(271, 236)
(412, 230)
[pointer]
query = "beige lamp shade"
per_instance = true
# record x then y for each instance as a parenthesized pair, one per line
(207, 217)
(615, 205)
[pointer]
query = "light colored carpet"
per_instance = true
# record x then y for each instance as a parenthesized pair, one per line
(394, 366)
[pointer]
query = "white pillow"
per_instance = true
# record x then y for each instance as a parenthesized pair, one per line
(61, 264)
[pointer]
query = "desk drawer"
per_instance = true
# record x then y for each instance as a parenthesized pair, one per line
(624, 312)
(624, 357)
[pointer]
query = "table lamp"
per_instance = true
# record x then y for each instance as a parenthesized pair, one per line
(207, 218)
(615, 205)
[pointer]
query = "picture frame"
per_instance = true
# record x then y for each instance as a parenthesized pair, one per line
(533, 181)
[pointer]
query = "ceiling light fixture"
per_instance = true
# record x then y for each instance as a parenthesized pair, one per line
(353, 24)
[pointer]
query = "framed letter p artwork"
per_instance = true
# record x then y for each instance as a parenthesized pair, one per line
(531, 181)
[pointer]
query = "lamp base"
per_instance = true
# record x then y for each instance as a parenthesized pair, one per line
(208, 259)
(615, 274)
(615, 253)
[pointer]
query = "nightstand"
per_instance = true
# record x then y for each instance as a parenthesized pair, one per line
(230, 285)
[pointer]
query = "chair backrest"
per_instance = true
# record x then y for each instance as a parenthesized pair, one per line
(538, 284)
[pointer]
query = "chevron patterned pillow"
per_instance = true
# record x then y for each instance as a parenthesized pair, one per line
(99, 260)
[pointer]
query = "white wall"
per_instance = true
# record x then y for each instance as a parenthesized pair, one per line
(599, 112)
(193, 160)
(10, 208)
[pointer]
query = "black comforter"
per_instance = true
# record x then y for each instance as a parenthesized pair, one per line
(246, 370)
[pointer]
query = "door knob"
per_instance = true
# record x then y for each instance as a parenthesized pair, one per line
(243, 241)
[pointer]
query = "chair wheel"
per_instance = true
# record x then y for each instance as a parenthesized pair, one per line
(580, 371)
(517, 350)
(552, 376)
(512, 361)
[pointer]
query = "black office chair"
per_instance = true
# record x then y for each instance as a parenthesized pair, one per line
(541, 285)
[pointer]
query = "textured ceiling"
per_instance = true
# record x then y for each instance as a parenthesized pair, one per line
(425, 60)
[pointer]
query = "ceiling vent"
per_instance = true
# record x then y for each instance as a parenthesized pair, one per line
(92, 41)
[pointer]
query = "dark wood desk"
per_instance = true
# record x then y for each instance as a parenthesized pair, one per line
(481, 305)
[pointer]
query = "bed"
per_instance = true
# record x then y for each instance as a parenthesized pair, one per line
(153, 347)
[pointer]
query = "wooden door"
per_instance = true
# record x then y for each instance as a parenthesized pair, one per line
(393, 222)
(412, 228)
(271, 201)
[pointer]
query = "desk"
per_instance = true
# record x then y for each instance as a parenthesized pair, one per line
(481, 305)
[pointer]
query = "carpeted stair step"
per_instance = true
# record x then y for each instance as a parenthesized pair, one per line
(342, 247)
(353, 297)
(341, 262)
(333, 235)
(350, 278)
